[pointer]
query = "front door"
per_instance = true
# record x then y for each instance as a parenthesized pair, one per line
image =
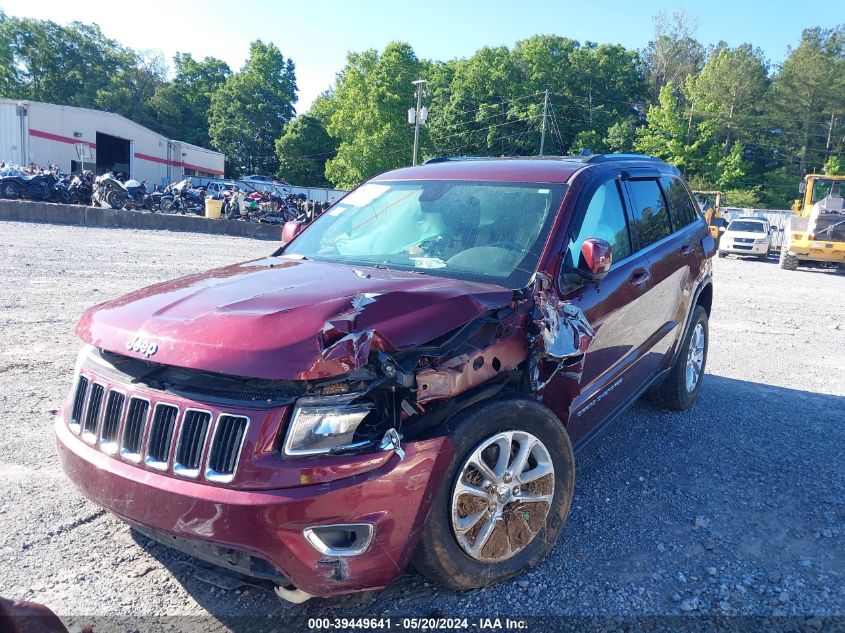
(617, 308)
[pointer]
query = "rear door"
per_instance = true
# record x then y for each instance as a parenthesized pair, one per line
(668, 252)
(617, 309)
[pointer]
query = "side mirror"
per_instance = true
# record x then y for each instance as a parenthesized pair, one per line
(802, 187)
(291, 229)
(595, 260)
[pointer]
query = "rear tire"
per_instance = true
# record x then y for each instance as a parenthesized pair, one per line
(9, 190)
(787, 261)
(521, 532)
(115, 199)
(678, 391)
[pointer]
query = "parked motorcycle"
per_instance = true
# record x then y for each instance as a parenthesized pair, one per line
(109, 192)
(161, 197)
(185, 198)
(137, 195)
(39, 186)
(80, 188)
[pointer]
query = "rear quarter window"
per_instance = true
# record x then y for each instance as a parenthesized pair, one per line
(651, 217)
(681, 207)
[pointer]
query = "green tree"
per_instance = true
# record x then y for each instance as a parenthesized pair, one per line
(621, 136)
(250, 110)
(371, 97)
(673, 54)
(666, 133)
(729, 90)
(808, 94)
(131, 88)
(9, 80)
(181, 107)
(303, 151)
(324, 107)
(478, 105)
(64, 64)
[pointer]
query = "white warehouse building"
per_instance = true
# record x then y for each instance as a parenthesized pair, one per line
(70, 137)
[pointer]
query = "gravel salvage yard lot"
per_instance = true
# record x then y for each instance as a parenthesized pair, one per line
(735, 507)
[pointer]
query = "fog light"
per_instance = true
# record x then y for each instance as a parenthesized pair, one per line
(346, 539)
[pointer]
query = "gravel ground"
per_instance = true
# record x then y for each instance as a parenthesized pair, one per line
(735, 507)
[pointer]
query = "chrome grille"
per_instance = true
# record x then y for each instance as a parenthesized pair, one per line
(78, 404)
(92, 414)
(161, 435)
(133, 432)
(226, 447)
(111, 421)
(191, 442)
(165, 436)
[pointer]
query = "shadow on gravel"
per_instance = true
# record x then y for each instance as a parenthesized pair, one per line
(734, 507)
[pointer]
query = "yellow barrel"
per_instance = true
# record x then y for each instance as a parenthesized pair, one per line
(213, 208)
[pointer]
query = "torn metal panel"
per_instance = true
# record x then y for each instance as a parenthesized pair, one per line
(344, 355)
(470, 369)
(564, 334)
(564, 330)
(344, 323)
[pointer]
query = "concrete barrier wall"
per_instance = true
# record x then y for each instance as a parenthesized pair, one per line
(29, 211)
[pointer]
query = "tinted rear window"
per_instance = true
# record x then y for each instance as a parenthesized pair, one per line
(651, 218)
(680, 205)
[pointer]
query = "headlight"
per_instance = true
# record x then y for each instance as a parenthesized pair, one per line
(760, 241)
(326, 424)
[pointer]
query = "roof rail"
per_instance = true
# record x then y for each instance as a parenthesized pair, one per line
(605, 158)
(447, 159)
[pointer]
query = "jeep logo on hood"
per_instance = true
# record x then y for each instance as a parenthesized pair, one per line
(142, 346)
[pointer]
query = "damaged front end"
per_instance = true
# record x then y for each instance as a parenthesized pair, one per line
(387, 396)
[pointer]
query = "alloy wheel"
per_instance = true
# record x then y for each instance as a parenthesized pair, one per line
(695, 357)
(502, 496)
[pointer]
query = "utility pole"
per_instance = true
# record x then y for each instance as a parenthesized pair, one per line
(689, 122)
(418, 116)
(829, 136)
(545, 113)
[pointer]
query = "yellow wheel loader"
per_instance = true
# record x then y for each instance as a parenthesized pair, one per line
(815, 233)
(710, 203)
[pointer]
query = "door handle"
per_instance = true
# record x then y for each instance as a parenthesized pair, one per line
(639, 278)
(686, 249)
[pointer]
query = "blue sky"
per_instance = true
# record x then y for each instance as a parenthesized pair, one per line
(317, 34)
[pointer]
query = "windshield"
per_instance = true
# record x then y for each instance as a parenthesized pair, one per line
(748, 226)
(824, 188)
(483, 231)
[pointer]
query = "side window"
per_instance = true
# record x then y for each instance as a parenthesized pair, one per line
(604, 219)
(680, 205)
(651, 218)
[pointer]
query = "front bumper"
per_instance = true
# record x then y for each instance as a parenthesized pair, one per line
(818, 250)
(395, 498)
(743, 249)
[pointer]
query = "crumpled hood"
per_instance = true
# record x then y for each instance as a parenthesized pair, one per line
(285, 319)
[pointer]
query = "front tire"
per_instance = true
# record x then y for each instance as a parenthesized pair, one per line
(510, 483)
(681, 386)
(787, 261)
(722, 254)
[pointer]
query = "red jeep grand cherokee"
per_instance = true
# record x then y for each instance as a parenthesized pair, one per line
(402, 382)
